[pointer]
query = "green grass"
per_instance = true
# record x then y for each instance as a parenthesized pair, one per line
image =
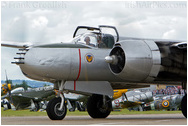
(127, 112)
(8, 113)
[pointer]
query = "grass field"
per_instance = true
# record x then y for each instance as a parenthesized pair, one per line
(8, 113)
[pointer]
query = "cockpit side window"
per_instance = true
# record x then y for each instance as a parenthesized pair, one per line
(108, 40)
(88, 41)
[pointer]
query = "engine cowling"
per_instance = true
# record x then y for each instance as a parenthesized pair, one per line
(135, 60)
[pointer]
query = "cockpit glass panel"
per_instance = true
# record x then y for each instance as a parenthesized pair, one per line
(85, 31)
(108, 40)
(95, 40)
(87, 39)
(109, 31)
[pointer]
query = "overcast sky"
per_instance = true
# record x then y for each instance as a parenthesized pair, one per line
(50, 22)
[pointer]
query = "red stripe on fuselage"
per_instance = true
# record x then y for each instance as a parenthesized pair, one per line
(79, 69)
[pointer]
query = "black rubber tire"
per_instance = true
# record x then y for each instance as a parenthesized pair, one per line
(52, 111)
(184, 105)
(95, 109)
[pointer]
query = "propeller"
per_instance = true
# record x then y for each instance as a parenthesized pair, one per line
(124, 96)
(6, 88)
(116, 59)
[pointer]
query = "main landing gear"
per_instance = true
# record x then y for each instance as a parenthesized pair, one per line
(56, 108)
(184, 100)
(184, 105)
(99, 106)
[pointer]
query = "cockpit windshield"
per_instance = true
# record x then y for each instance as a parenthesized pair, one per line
(87, 39)
(95, 40)
(102, 37)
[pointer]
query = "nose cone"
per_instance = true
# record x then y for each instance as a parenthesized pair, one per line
(111, 59)
(108, 59)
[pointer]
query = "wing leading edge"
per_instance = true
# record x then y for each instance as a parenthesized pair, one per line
(16, 44)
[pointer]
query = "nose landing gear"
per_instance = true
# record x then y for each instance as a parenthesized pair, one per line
(53, 109)
(56, 108)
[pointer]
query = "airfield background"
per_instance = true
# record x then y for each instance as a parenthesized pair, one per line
(156, 89)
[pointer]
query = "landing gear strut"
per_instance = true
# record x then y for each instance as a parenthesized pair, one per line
(99, 106)
(56, 108)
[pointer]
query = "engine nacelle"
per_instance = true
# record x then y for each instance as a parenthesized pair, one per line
(135, 60)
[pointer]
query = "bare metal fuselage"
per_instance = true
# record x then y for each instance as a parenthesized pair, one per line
(52, 63)
(64, 64)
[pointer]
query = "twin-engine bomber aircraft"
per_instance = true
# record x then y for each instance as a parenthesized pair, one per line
(95, 63)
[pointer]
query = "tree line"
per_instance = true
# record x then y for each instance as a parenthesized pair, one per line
(23, 84)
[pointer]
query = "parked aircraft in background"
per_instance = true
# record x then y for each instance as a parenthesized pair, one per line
(95, 63)
(119, 92)
(134, 99)
(6, 87)
(22, 99)
(32, 97)
(6, 90)
(169, 102)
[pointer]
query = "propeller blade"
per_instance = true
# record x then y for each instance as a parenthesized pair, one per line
(6, 77)
(8, 86)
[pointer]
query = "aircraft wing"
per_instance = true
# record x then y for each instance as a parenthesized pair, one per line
(28, 44)
(39, 95)
(180, 45)
(3, 97)
(128, 85)
(21, 98)
(75, 97)
(16, 44)
(36, 96)
(127, 104)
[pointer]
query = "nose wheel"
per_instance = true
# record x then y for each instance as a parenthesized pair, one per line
(54, 111)
(56, 108)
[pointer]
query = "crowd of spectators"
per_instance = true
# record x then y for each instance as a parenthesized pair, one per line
(169, 90)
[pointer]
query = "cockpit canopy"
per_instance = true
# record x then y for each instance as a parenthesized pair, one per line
(95, 40)
(86, 39)
(95, 37)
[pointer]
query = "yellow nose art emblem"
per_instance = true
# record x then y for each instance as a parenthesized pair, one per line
(89, 58)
